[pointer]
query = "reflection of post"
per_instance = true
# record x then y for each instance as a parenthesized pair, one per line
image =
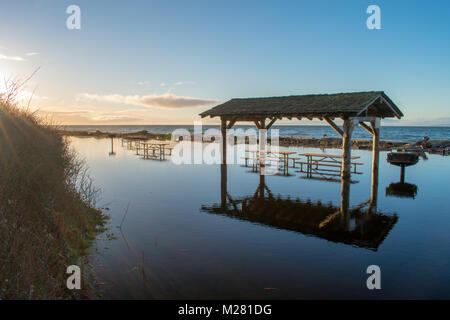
(345, 201)
(223, 185)
(373, 193)
(112, 146)
(262, 183)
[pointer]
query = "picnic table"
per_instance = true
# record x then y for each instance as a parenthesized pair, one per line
(283, 157)
(286, 155)
(316, 160)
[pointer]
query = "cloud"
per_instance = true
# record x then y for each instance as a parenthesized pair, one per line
(144, 83)
(167, 100)
(31, 53)
(25, 96)
(11, 58)
(88, 117)
(180, 83)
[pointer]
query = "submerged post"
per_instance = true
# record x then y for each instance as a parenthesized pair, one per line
(375, 159)
(223, 129)
(346, 148)
(402, 173)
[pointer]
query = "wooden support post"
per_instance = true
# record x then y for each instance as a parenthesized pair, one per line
(261, 125)
(375, 160)
(262, 136)
(223, 129)
(346, 148)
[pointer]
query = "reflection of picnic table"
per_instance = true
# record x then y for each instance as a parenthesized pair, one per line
(324, 164)
(162, 147)
(155, 146)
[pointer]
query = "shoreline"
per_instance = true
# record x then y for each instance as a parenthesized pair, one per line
(433, 146)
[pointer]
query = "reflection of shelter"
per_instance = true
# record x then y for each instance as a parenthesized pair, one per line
(360, 227)
(363, 108)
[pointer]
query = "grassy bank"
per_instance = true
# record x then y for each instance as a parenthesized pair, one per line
(47, 215)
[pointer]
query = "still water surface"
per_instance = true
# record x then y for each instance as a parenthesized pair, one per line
(177, 241)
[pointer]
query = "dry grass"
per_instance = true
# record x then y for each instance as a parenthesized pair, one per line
(47, 215)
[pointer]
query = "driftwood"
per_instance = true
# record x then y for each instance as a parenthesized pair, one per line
(427, 145)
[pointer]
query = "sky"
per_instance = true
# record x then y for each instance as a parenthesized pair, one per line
(164, 62)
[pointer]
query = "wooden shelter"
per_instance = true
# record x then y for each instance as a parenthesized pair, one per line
(357, 108)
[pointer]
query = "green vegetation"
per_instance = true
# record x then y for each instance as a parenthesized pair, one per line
(47, 215)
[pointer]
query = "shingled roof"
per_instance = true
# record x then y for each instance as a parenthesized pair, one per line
(364, 104)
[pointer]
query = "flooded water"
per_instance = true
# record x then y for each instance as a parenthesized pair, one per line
(201, 232)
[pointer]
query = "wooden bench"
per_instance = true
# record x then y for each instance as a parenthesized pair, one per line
(317, 167)
(254, 161)
(339, 164)
(320, 171)
(170, 150)
(327, 163)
